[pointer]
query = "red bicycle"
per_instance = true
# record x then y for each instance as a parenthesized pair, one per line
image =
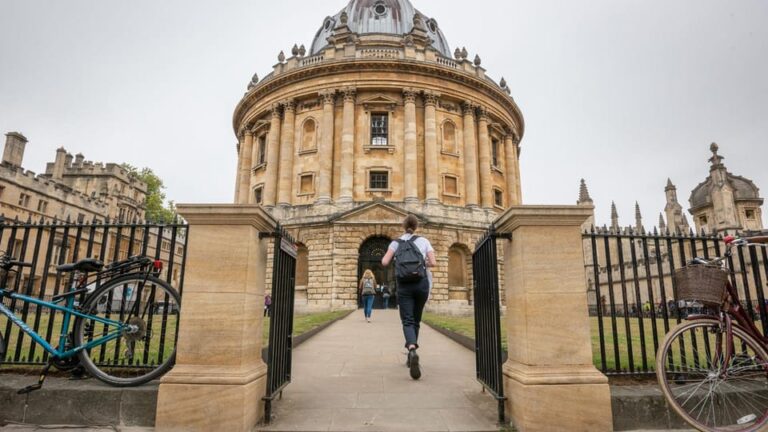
(713, 368)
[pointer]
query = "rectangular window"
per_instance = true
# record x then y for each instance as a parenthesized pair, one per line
(703, 220)
(495, 152)
(42, 206)
(2, 189)
(307, 184)
(24, 200)
(262, 156)
(80, 218)
(258, 194)
(379, 180)
(379, 129)
(498, 198)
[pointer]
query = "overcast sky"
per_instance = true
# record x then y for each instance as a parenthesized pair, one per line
(623, 93)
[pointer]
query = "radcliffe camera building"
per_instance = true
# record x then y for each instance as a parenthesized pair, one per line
(376, 119)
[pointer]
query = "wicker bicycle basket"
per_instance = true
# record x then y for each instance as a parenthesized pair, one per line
(702, 283)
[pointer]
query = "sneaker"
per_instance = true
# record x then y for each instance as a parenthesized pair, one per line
(413, 364)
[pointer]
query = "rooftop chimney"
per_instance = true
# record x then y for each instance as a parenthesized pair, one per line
(14, 148)
(59, 163)
(79, 158)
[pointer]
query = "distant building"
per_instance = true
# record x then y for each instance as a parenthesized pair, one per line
(77, 190)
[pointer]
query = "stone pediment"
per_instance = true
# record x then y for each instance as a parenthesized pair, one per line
(379, 102)
(373, 213)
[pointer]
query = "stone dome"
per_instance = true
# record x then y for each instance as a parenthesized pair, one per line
(743, 188)
(388, 17)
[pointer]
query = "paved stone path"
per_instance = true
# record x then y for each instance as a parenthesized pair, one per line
(352, 377)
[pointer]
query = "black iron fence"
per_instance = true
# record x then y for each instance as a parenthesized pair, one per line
(280, 350)
(48, 243)
(633, 299)
(488, 318)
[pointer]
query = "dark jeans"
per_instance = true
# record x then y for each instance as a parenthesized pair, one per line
(411, 297)
(368, 304)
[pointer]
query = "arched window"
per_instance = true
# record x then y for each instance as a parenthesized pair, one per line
(309, 135)
(302, 266)
(449, 137)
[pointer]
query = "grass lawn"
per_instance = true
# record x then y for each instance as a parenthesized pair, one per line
(466, 326)
(303, 323)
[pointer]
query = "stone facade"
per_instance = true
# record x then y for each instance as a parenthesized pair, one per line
(340, 145)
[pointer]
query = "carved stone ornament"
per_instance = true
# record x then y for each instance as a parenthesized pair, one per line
(350, 94)
(328, 97)
(281, 57)
(468, 108)
(409, 95)
(418, 22)
(289, 105)
(503, 83)
(477, 60)
(482, 113)
(457, 53)
(276, 110)
(344, 18)
(431, 98)
(295, 50)
(408, 40)
(448, 106)
(302, 50)
(254, 81)
(464, 53)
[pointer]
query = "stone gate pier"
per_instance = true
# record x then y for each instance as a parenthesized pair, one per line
(550, 380)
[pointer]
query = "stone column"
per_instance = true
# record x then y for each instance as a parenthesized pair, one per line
(273, 158)
(550, 380)
(287, 150)
(238, 172)
(326, 147)
(512, 173)
(219, 377)
(431, 174)
(246, 153)
(410, 170)
(470, 155)
(484, 148)
(347, 146)
(519, 184)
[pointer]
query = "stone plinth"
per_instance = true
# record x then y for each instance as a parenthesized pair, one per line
(550, 381)
(219, 378)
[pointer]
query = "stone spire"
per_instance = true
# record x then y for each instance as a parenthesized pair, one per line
(716, 160)
(638, 218)
(673, 209)
(662, 224)
(614, 218)
(584, 198)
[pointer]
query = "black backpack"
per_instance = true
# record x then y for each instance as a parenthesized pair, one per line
(409, 262)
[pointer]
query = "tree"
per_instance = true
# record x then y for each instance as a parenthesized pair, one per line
(156, 209)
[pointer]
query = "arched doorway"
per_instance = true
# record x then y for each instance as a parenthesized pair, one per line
(371, 253)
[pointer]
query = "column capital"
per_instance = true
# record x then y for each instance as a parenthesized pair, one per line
(350, 94)
(289, 105)
(276, 110)
(328, 96)
(431, 97)
(468, 107)
(482, 113)
(409, 95)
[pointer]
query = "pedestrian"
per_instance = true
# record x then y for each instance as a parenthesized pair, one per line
(385, 295)
(412, 255)
(367, 291)
(268, 305)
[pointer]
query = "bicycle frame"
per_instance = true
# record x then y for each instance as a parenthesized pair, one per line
(69, 311)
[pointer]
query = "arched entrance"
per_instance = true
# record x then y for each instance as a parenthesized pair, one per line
(371, 253)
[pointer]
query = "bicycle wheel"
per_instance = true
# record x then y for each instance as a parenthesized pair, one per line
(147, 349)
(708, 394)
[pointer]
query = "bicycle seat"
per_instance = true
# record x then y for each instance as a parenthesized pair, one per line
(84, 265)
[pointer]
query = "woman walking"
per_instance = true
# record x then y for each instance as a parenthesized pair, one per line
(412, 255)
(367, 291)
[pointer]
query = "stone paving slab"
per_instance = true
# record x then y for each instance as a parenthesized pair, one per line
(352, 377)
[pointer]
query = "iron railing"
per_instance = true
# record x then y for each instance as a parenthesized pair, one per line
(48, 243)
(488, 349)
(633, 299)
(280, 351)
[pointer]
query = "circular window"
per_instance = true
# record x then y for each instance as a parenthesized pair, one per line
(432, 26)
(328, 24)
(380, 9)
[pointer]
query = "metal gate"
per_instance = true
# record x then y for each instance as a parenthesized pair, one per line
(488, 318)
(280, 349)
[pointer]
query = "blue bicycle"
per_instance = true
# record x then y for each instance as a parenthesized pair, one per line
(118, 321)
